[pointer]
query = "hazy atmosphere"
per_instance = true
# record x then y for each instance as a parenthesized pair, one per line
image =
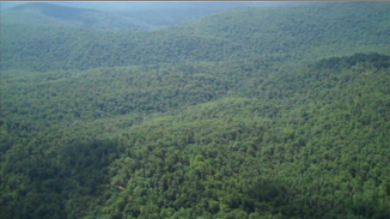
(199, 110)
(147, 5)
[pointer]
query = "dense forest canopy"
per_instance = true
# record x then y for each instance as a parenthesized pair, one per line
(294, 34)
(258, 112)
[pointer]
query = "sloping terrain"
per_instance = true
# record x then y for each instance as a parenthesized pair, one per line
(299, 31)
(285, 34)
(309, 141)
(118, 15)
(36, 13)
(249, 113)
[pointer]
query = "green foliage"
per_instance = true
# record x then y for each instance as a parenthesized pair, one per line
(261, 136)
(284, 34)
(307, 141)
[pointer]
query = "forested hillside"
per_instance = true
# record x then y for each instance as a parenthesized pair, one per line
(56, 15)
(131, 15)
(247, 113)
(285, 34)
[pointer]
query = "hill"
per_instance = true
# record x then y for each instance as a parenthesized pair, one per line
(148, 6)
(284, 34)
(118, 15)
(48, 14)
(298, 30)
(246, 113)
(190, 141)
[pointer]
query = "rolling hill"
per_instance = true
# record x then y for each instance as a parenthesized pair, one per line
(156, 5)
(288, 34)
(119, 15)
(240, 114)
(48, 14)
(179, 141)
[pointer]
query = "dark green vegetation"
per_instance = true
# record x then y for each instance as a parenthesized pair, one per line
(215, 118)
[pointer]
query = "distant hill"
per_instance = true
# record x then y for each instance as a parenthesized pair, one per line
(298, 29)
(37, 13)
(138, 16)
(305, 32)
(127, 15)
(156, 5)
(53, 10)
